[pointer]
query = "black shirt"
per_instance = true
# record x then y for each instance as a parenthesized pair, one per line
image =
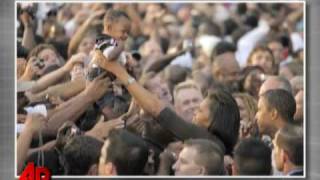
(183, 130)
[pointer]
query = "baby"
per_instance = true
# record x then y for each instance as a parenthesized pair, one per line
(111, 43)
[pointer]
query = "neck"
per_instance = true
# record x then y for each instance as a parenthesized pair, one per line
(289, 167)
(280, 123)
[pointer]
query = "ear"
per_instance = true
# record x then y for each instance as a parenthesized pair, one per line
(274, 114)
(284, 156)
(109, 27)
(110, 169)
(93, 170)
(203, 171)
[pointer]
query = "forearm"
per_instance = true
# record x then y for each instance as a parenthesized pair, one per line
(45, 147)
(68, 111)
(49, 79)
(161, 63)
(23, 145)
(149, 102)
(65, 90)
(28, 40)
(77, 37)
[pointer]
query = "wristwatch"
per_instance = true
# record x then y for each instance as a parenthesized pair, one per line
(130, 81)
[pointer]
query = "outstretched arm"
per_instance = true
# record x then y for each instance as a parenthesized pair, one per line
(53, 77)
(76, 106)
(81, 32)
(149, 102)
(33, 124)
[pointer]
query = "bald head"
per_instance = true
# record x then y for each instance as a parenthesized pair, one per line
(296, 84)
(275, 82)
(225, 68)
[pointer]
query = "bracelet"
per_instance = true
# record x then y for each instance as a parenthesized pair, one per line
(130, 80)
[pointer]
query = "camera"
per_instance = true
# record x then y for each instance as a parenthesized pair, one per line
(39, 63)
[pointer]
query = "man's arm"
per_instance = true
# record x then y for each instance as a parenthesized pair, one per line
(33, 124)
(81, 32)
(65, 90)
(28, 40)
(161, 63)
(53, 77)
(102, 129)
(75, 107)
(149, 102)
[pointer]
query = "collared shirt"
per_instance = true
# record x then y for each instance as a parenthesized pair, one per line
(295, 172)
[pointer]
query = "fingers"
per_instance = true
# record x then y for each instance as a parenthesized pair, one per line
(116, 123)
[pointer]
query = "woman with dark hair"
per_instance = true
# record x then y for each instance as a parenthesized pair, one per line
(217, 118)
(252, 78)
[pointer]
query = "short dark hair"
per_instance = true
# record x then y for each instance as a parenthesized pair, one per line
(252, 157)
(80, 153)
(128, 152)
(209, 154)
(113, 15)
(282, 101)
(290, 139)
(36, 50)
(224, 118)
(223, 47)
(51, 161)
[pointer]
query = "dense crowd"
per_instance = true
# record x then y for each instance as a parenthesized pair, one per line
(161, 89)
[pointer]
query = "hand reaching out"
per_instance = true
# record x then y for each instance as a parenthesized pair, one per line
(98, 87)
(77, 58)
(35, 122)
(102, 129)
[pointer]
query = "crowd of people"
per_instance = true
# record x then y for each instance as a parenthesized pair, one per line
(183, 89)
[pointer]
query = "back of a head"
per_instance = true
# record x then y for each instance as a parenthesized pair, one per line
(283, 102)
(80, 153)
(224, 118)
(275, 82)
(128, 152)
(290, 138)
(223, 47)
(252, 157)
(209, 155)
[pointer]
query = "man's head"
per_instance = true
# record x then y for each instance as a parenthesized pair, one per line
(187, 98)
(117, 24)
(288, 147)
(80, 153)
(298, 117)
(276, 108)
(252, 157)
(274, 44)
(275, 82)
(291, 70)
(296, 84)
(123, 153)
(225, 69)
(200, 157)
(45, 56)
(158, 86)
